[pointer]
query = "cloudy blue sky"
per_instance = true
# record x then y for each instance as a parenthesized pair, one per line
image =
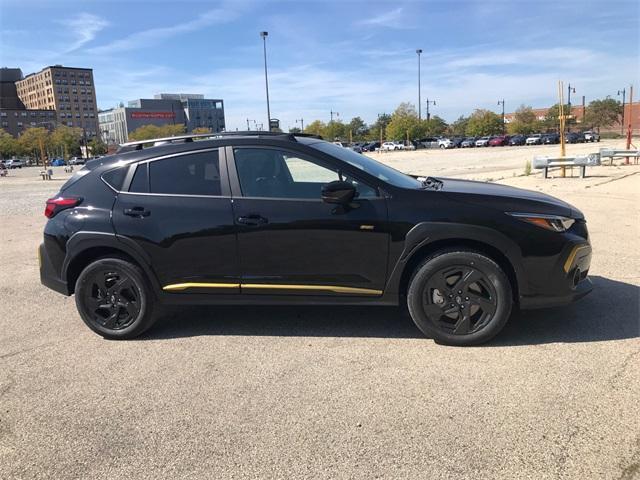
(353, 57)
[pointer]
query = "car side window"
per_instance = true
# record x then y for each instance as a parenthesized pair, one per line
(140, 181)
(272, 173)
(192, 174)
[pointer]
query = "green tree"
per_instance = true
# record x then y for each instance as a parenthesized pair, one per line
(434, 126)
(8, 145)
(34, 141)
(68, 139)
(380, 125)
(317, 127)
(336, 130)
(97, 147)
(551, 120)
(295, 130)
(358, 128)
(484, 122)
(200, 130)
(524, 121)
(404, 122)
(603, 113)
(459, 127)
(146, 132)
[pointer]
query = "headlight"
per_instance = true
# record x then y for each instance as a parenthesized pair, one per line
(555, 223)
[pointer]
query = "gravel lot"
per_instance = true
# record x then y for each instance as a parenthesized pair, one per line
(245, 392)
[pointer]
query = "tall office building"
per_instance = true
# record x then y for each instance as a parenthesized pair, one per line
(67, 90)
(200, 112)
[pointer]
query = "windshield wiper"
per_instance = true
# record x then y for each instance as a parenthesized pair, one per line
(431, 183)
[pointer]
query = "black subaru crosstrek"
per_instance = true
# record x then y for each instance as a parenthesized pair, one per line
(260, 219)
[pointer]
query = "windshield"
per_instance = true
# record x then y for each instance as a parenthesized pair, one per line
(369, 165)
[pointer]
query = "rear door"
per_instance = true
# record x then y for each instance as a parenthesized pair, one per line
(177, 209)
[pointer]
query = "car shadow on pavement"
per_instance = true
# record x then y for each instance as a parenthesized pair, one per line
(610, 312)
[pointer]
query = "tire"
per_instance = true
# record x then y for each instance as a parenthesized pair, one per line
(442, 147)
(473, 316)
(114, 298)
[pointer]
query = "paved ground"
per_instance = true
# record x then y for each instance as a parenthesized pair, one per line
(331, 392)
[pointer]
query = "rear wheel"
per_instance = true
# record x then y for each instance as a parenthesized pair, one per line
(114, 298)
(459, 298)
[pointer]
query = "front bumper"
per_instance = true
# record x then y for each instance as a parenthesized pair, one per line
(48, 276)
(574, 285)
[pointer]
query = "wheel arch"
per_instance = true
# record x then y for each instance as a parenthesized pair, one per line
(92, 246)
(459, 244)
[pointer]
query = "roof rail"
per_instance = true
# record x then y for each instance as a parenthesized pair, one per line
(154, 142)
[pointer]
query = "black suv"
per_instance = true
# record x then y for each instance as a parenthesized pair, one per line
(281, 219)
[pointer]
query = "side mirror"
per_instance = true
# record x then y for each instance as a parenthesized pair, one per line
(338, 192)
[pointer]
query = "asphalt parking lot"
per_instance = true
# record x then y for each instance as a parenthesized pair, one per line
(247, 392)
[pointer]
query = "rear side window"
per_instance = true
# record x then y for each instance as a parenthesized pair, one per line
(115, 178)
(193, 174)
(140, 182)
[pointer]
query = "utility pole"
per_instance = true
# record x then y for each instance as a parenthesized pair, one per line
(630, 127)
(624, 94)
(570, 89)
(301, 124)
(266, 78)
(332, 113)
(248, 127)
(430, 102)
(584, 109)
(501, 102)
(419, 51)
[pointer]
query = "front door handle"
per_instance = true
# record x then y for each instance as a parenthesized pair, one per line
(252, 220)
(137, 212)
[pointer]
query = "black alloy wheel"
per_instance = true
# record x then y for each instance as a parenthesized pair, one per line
(114, 299)
(459, 297)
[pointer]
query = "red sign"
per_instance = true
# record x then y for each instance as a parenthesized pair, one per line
(152, 115)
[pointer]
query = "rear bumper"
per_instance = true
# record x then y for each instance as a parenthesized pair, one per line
(48, 275)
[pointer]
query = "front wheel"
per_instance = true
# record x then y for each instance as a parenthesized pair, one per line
(459, 298)
(114, 298)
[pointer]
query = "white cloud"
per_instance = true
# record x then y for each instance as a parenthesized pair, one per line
(391, 19)
(153, 36)
(85, 26)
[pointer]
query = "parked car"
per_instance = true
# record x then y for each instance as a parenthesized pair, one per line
(355, 147)
(468, 142)
(127, 235)
(574, 137)
(457, 141)
(428, 142)
(76, 161)
(388, 146)
(14, 163)
(445, 143)
(58, 162)
(399, 145)
(591, 136)
(535, 139)
(550, 138)
(518, 140)
(499, 141)
(483, 141)
(370, 147)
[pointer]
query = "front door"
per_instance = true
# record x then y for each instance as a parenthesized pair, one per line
(290, 242)
(178, 211)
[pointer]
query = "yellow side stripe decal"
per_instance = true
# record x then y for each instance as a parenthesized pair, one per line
(184, 286)
(572, 256)
(265, 286)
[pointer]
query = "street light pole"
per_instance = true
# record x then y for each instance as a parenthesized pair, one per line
(624, 94)
(501, 102)
(332, 113)
(301, 124)
(419, 51)
(430, 102)
(570, 89)
(266, 78)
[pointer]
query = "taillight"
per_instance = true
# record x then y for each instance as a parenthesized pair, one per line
(55, 205)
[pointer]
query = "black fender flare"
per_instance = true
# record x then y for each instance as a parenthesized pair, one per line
(80, 242)
(428, 233)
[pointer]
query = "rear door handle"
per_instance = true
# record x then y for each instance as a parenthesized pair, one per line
(252, 220)
(137, 212)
